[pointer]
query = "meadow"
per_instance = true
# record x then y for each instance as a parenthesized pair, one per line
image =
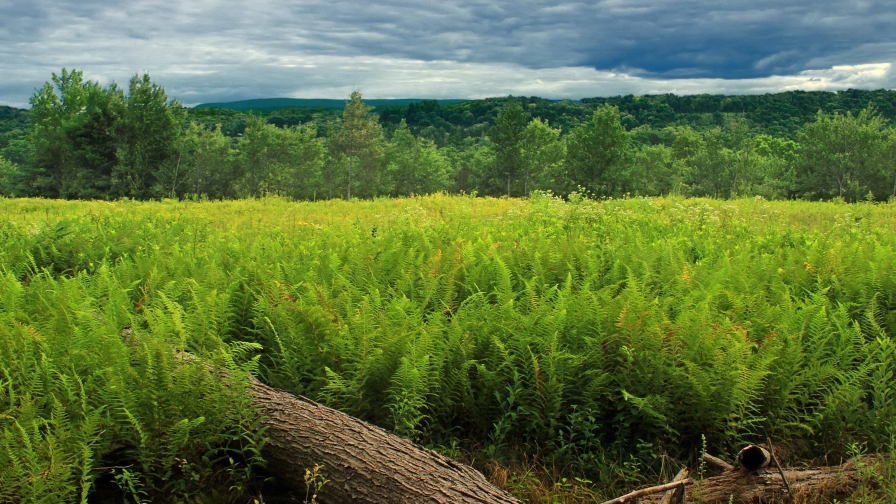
(605, 342)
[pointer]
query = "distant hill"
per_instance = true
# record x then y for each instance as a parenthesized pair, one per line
(268, 104)
(13, 125)
(12, 118)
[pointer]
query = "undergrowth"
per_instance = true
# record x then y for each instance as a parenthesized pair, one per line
(605, 340)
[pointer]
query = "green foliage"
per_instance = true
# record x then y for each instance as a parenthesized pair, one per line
(415, 165)
(150, 131)
(846, 156)
(94, 142)
(53, 108)
(655, 171)
(471, 164)
(90, 142)
(543, 154)
(9, 176)
(507, 135)
(598, 154)
(206, 164)
(605, 336)
(91, 387)
(285, 162)
(359, 140)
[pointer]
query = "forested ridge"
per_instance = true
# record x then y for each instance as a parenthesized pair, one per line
(81, 140)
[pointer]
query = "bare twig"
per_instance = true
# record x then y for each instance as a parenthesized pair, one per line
(648, 491)
(111, 467)
(771, 450)
(676, 495)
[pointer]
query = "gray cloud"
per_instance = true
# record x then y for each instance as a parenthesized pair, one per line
(208, 50)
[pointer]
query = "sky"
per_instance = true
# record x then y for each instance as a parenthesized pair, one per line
(219, 50)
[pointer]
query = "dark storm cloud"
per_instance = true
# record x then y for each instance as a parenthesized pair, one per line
(210, 50)
(695, 38)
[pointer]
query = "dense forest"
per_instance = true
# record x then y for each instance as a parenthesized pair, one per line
(81, 140)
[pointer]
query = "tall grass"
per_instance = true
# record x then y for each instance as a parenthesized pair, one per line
(607, 337)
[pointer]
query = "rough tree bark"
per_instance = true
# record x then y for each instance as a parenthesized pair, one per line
(362, 462)
(765, 485)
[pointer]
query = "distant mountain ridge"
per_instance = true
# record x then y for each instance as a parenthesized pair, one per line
(269, 104)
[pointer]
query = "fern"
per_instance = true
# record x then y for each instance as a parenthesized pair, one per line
(606, 334)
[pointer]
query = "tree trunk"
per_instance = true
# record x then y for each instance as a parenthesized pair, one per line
(363, 463)
(348, 193)
(765, 485)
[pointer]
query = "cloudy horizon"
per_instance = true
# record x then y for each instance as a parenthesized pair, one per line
(214, 51)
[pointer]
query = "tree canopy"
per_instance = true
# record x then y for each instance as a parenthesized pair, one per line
(81, 140)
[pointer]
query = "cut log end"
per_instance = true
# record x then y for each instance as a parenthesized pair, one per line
(753, 458)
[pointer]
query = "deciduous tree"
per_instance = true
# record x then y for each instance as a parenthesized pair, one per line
(542, 151)
(415, 165)
(53, 107)
(149, 135)
(844, 155)
(597, 152)
(9, 175)
(208, 163)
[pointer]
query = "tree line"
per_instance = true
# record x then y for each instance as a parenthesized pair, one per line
(81, 140)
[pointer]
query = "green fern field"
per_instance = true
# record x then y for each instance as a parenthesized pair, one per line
(604, 338)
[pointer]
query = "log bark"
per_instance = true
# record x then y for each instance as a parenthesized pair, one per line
(716, 464)
(766, 485)
(362, 462)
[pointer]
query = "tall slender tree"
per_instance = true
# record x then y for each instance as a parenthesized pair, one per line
(507, 136)
(93, 135)
(542, 151)
(150, 130)
(53, 108)
(359, 138)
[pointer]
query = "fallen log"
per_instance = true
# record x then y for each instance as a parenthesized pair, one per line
(754, 457)
(717, 464)
(766, 485)
(362, 462)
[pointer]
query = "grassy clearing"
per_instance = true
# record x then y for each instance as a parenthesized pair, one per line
(538, 339)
